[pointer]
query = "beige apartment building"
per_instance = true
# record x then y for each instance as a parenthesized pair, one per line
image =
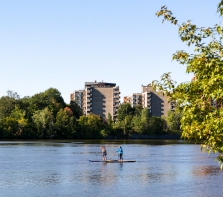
(156, 103)
(98, 98)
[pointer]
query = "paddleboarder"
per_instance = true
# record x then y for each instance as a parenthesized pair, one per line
(120, 152)
(104, 153)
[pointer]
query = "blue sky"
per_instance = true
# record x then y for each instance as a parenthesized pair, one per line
(62, 44)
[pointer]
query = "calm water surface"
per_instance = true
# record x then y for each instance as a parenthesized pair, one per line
(62, 169)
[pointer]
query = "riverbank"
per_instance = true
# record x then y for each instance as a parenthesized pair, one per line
(132, 136)
(138, 136)
(166, 136)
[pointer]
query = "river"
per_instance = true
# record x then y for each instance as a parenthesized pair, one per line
(61, 168)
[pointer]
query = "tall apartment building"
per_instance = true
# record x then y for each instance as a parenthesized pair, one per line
(77, 96)
(156, 103)
(98, 98)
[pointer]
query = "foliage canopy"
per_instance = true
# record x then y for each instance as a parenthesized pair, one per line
(201, 99)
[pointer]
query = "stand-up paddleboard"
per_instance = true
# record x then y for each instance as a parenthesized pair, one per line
(113, 161)
(95, 160)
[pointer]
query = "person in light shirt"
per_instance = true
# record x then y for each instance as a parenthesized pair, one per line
(104, 153)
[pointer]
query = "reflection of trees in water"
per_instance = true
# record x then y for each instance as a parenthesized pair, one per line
(206, 170)
(107, 175)
(164, 173)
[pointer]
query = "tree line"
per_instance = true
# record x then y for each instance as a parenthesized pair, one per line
(45, 115)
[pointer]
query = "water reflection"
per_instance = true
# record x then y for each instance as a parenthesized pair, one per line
(63, 169)
(203, 171)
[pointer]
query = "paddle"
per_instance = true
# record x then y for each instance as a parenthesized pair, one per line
(112, 156)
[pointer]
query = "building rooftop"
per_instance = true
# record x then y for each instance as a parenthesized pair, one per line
(100, 84)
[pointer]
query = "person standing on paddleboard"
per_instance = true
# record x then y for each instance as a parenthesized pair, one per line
(104, 153)
(120, 152)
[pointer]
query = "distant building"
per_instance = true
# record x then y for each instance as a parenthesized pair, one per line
(156, 103)
(134, 99)
(98, 98)
(77, 96)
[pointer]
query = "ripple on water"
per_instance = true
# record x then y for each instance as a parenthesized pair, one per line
(51, 169)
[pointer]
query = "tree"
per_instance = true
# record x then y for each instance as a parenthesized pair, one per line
(77, 111)
(65, 123)
(124, 110)
(137, 110)
(109, 127)
(54, 100)
(8, 127)
(136, 124)
(83, 127)
(90, 126)
(50, 98)
(125, 126)
(7, 103)
(145, 120)
(95, 125)
(44, 121)
(173, 120)
(19, 116)
(156, 125)
(201, 99)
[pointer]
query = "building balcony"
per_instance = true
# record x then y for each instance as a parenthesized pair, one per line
(89, 110)
(115, 108)
(89, 90)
